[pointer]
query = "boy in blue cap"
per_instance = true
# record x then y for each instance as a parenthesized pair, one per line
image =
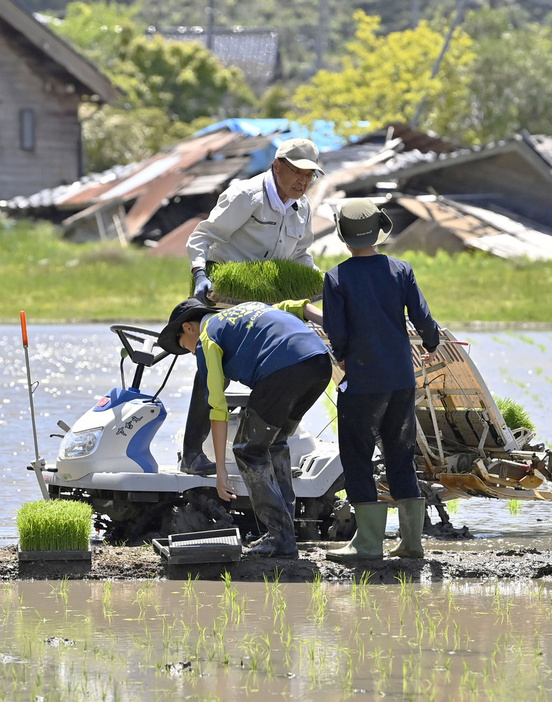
(365, 298)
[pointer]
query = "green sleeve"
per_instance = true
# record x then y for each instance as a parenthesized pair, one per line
(215, 378)
(296, 307)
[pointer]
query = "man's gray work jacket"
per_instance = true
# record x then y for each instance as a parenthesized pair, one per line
(243, 227)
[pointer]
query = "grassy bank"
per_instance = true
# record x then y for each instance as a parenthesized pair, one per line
(56, 281)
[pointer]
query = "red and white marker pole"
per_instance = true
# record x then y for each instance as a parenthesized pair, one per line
(38, 464)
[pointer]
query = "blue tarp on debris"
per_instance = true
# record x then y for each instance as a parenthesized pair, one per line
(321, 132)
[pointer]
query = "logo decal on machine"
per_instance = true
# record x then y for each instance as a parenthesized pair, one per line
(128, 425)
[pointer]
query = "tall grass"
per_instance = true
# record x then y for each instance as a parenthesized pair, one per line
(54, 280)
(54, 525)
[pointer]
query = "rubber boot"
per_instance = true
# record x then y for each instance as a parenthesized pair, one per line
(251, 450)
(367, 543)
(411, 524)
(198, 426)
(281, 463)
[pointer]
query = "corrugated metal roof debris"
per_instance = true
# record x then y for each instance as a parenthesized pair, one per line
(201, 166)
(473, 227)
(494, 198)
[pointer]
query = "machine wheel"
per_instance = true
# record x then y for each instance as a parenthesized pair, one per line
(199, 512)
(318, 518)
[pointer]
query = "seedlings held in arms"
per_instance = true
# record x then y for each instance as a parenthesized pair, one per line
(265, 281)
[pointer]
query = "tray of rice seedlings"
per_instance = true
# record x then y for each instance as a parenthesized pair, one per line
(515, 415)
(264, 281)
(54, 530)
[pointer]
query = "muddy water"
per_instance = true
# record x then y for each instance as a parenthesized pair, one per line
(222, 641)
(119, 641)
(77, 364)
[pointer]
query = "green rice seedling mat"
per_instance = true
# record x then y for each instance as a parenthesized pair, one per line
(264, 281)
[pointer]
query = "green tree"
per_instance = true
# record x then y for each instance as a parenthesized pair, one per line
(102, 31)
(166, 86)
(114, 135)
(183, 78)
(510, 86)
(386, 78)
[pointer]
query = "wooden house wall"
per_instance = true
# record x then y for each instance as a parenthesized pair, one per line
(25, 83)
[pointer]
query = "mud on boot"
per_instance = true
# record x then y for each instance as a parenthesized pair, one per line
(411, 524)
(252, 443)
(367, 543)
(273, 547)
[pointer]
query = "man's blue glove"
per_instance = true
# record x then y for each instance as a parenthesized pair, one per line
(203, 286)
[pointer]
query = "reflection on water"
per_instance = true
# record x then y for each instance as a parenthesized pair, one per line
(77, 364)
(198, 640)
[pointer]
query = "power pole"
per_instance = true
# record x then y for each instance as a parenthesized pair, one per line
(321, 34)
(210, 23)
(457, 20)
(415, 13)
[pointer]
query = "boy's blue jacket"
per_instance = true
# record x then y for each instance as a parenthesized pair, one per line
(248, 342)
(365, 299)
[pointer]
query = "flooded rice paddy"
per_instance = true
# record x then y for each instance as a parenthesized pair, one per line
(200, 640)
(197, 640)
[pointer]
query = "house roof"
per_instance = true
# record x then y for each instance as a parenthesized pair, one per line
(410, 163)
(256, 51)
(191, 168)
(513, 176)
(476, 227)
(61, 59)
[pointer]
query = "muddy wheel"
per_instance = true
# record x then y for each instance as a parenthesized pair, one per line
(139, 526)
(316, 518)
(199, 513)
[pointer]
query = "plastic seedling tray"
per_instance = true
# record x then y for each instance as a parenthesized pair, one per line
(215, 546)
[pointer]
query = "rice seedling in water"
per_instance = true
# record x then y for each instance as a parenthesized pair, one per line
(319, 598)
(54, 525)
(108, 600)
(361, 589)
(188, 589)
(62, 590)
(514, 507)
(452, 506)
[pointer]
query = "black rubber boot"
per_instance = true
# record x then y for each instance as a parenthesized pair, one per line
(198, 426)
(252, 452)
(281, 463)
